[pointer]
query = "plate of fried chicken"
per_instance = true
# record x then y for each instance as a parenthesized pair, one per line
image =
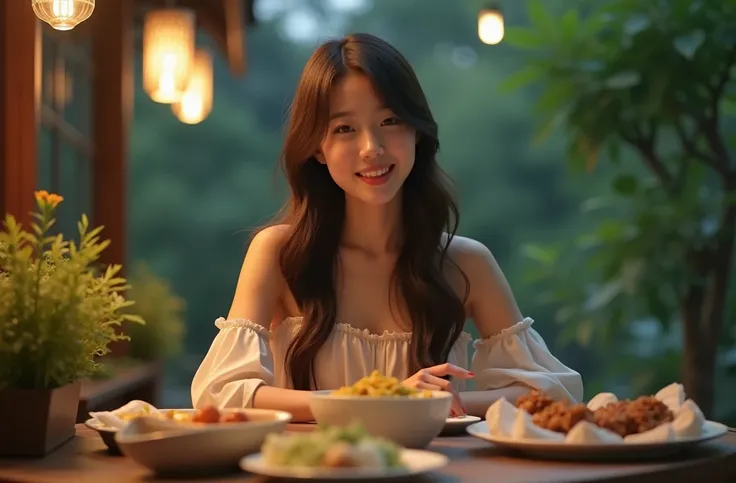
(605, 427)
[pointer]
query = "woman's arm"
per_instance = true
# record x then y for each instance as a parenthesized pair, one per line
(511, 358)
(223, 377)
(289, 400)
(260, 288)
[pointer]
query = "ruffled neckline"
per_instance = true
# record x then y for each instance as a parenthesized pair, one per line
(365, 334)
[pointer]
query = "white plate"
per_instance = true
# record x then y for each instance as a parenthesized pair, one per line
(587, 451)
(415, 462)
(458, 425)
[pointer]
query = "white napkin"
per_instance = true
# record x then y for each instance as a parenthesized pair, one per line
(689, 420)
(586, 432)
(601, 400)
(150, 424)
(672, 396)
(112, 419)
(661, 434)
(524, 428)
(500, 417)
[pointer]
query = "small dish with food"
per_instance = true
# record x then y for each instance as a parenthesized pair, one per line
(457, 424)
(108, 423)
(385, 408)
(187, 440)
(343, 453)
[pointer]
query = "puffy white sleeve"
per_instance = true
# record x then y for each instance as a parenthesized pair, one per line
(237, 363)
(519, 355)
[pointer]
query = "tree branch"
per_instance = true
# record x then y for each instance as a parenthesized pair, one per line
(711, 129)
(689, 145)
(644, 143)
(720, 86)
(722, 263)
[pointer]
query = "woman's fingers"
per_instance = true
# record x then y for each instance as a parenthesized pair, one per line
(448, 369)
(425, 386)
(444, 385)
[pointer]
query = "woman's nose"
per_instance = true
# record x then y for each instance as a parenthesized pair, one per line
(372, 147)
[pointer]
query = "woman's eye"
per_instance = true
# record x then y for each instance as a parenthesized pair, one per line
(342, 129)
(391, 121)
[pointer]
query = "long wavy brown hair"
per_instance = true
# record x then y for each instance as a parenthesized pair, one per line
(315, 210)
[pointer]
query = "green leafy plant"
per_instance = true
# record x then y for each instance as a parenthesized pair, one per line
(648, 86)
(155, 300)
(57, 312)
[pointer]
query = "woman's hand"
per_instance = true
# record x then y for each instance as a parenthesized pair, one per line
(431, 379)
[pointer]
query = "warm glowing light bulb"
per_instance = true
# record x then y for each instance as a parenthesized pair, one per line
(168, 53)
(196, 102)
(63, 9)
(63, 14)
(490, 26)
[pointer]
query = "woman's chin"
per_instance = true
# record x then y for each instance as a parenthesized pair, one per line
(374, 197)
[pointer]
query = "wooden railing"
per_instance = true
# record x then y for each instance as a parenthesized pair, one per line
(139, 381)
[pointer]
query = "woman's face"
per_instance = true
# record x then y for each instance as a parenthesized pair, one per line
(368, 151)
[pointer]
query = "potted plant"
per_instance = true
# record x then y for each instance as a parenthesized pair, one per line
(58, 313)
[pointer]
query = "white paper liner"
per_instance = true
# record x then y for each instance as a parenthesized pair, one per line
(112, 419)
(505, 420)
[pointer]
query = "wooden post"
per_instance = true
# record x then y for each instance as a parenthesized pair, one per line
(20, 54)
(112, 111)
(112, 107)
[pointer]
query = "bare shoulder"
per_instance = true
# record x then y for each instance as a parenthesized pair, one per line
(475, 260)
(491, 303)
(264, 249)
(270, 238)
(467, 251)
(470, 256)
(260, 283)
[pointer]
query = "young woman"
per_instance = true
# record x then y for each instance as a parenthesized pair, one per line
(363, 271)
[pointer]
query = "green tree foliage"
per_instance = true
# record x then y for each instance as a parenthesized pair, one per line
(647, 85)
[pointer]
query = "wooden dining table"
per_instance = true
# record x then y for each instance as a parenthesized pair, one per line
(85, 459)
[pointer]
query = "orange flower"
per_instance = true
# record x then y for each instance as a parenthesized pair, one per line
(55, 199)
(46, 198)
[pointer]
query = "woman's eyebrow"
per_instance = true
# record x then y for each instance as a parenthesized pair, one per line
(348, 113)
(339, 114)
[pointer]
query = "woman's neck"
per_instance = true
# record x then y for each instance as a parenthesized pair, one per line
(374, 229)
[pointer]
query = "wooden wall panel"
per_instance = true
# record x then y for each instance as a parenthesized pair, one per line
(19, 89)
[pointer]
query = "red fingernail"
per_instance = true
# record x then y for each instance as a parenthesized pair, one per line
(471, 373)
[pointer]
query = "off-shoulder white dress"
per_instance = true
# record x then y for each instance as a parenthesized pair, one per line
(245, 355)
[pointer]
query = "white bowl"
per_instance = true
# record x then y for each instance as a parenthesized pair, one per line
(167, 447)
(106, 433)
(408, 421)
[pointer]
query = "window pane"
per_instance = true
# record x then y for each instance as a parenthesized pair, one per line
(64, 136)
(74, 186)
(78, 91)
(43, 163)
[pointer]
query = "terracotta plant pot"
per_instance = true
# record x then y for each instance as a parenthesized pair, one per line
(34, 422)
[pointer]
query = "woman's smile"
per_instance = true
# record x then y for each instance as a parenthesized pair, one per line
(376, 176)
